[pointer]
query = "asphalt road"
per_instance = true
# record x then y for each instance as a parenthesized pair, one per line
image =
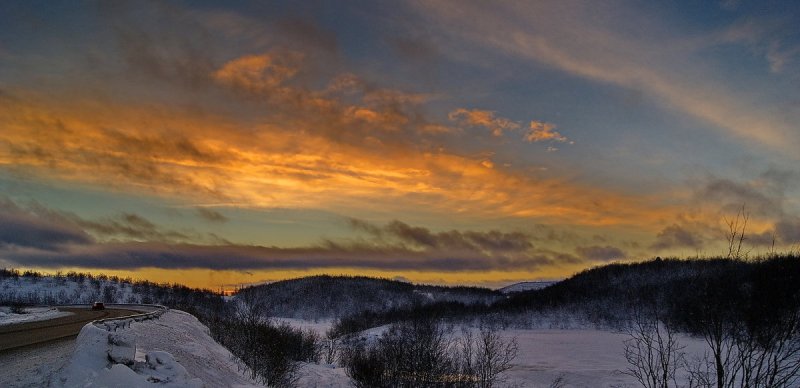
(24, 334)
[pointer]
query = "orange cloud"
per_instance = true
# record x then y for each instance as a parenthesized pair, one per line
(264, 165)
(541, 131)
(258, 73)
(346, 147)
(483, 118)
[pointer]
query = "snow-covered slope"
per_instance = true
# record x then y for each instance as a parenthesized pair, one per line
(31, 288)
(172, 351)
(63, 290)
(525, 286)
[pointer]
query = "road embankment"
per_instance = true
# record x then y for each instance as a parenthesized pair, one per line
(25, 334)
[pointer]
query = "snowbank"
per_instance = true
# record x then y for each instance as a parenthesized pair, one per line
(188, 340)
(32, 314)
(104, 359)
(172, 351)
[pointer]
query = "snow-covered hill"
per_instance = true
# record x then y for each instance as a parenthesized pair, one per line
(31, 288)
(525, 286)
(329, 297)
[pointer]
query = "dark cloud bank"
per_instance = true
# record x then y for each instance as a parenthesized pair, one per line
(33, 235)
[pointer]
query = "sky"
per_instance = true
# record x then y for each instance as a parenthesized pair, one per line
(216, 144)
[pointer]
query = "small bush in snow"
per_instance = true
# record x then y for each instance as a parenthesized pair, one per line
(421, 353)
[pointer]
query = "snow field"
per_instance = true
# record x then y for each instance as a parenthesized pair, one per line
(32, 314)
(176, 351)
(582, 357)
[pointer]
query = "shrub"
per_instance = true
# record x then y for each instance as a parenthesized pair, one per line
(421, 353)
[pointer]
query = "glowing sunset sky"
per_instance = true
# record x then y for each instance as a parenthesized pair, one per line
(219, 143)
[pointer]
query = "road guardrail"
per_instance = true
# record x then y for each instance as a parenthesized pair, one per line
(112, 324)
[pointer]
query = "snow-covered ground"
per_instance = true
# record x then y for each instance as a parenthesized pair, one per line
(526, 286)
(33, 366)
(585, 358)
(582, 357)
(176, 351)
(31, 314)
(322, 376)
(172, 351)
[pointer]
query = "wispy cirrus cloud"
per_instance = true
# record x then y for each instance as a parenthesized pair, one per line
(210, 215)
(554, 34)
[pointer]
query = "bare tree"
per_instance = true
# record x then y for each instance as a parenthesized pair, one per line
(737, 226)
(493, 356)
(719, 367)
(250, 308)
(769, 355)
(653, 352)
(330, 349)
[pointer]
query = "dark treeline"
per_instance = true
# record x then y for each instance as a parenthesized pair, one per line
(109, 289)
(325, 297)
(439, 310)
(753, 292)
(679, 290)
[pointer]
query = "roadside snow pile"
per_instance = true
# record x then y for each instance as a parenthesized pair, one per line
(188, 340)
(32, 314)
(172, 351)
(103, 359)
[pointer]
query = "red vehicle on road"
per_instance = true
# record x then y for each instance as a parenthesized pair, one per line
(98, 306)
